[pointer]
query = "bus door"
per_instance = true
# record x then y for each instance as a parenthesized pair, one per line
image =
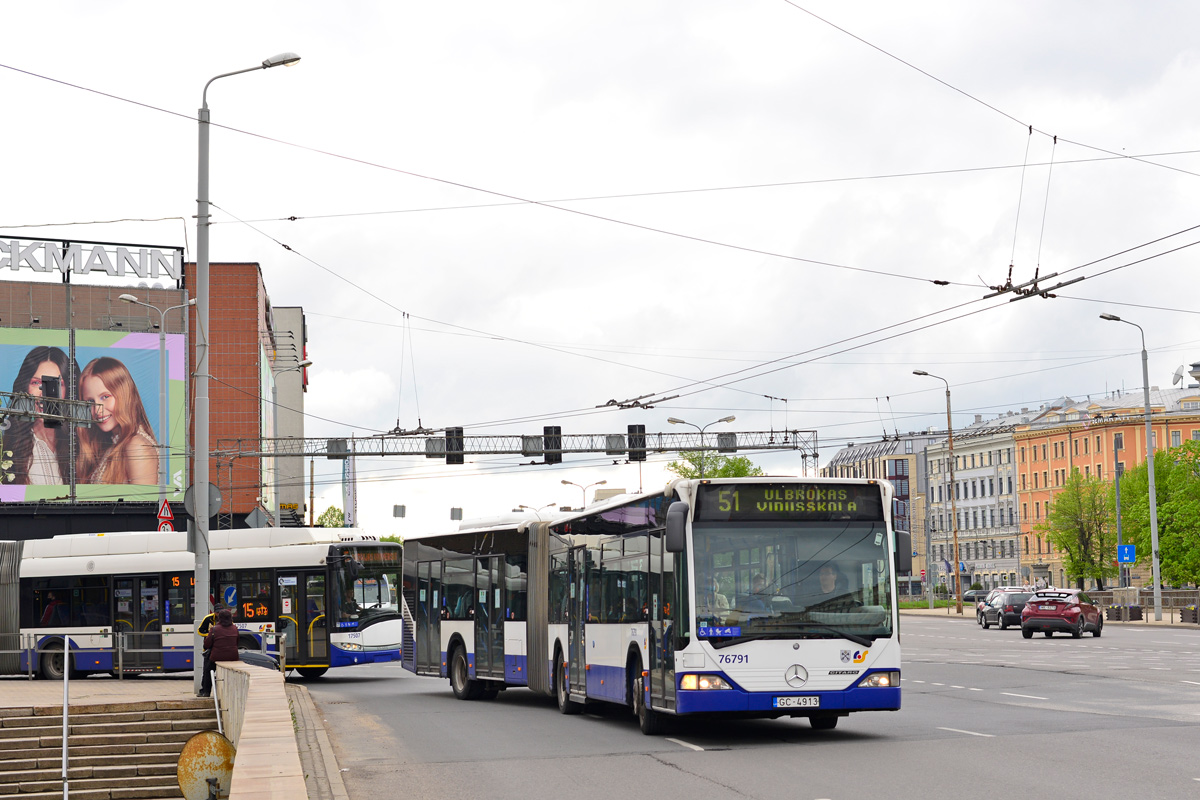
(138, 615)
(577, 619)
(489, 617)
(300, 618)
(290, 624)
(429, 619)
(662, 593)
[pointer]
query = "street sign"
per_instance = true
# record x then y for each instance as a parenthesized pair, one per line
(922, 573)
(1126, 553)
(165, 516)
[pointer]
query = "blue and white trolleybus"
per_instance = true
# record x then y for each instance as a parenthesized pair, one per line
(748, 597)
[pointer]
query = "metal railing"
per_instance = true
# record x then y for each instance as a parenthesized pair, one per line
(124, 644)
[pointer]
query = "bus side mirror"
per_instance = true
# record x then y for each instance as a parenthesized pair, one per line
(903, 552)
(352, 569)
(677, 514)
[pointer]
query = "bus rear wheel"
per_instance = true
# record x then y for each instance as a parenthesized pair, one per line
(309, 673)
(460, 676)
(53, 663)
(562, 689)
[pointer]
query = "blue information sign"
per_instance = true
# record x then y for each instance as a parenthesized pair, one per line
(1126, 553)
(230, 596)
(707, 632)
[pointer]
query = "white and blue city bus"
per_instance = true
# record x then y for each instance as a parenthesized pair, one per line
(748, 597)
(329, 594)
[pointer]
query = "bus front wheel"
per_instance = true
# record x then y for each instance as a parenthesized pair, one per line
(460, 681)
(308, 673)
(823, 723)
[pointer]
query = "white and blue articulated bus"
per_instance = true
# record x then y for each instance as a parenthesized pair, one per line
(329, 594)
(740, 597)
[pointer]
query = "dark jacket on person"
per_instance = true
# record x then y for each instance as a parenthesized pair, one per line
(222, 641)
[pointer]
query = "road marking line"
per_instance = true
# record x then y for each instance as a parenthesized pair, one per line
(968, 733)
(958, 687)
(682, 743)
(1026, 696)
(974, 690)
(1193, 683)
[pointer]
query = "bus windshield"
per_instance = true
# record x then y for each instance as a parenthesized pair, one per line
(777, 580)
(370, 595)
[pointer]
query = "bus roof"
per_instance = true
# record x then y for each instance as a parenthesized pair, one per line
(127, 542)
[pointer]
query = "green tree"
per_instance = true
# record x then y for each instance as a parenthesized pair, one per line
(331, 517)
(696, 464)
(1080, 524)
(1177, 487)
(396, 539)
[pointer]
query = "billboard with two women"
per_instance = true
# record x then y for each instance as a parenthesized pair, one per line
(119, 455)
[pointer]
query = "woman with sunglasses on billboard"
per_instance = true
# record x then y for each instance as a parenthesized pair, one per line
(119, 447)
(41, 454)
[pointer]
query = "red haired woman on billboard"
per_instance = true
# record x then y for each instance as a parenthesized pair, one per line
(41, 455)
(119, 447)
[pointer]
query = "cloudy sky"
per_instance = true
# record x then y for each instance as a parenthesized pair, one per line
(511, 213)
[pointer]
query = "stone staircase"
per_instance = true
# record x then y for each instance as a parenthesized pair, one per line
(117, 750)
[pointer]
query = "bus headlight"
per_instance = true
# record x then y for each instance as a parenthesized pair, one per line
(349, 646)
(693, 682)
(880, 680)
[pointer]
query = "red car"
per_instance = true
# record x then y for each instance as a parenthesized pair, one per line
(1064, 610)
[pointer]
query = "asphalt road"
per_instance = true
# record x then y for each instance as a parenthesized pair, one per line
(986, 714)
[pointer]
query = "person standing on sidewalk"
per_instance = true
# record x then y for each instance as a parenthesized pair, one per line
(221, 644)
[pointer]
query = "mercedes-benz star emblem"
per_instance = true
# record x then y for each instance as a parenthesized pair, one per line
(796, 675)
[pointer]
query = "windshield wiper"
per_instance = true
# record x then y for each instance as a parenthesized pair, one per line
(865, 641)
(718, 645)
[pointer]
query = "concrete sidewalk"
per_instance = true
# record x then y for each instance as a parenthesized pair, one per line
(323, 779)
(21, 692)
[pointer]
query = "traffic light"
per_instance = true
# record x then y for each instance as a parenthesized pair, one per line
(454, 446)
(552, 444)
(637, 442)
(51, 387)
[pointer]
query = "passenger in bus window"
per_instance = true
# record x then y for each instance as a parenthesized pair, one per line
(119, 448)
(40, 455)
(52, 615)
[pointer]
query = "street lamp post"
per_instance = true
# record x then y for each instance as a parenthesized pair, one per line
(200, 445)
(1149, 468)
(537, 512)
(584, 489)
(164, 458)
(677, 421)
(953, 488)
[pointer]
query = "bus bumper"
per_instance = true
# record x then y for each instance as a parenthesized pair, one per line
(764, 703)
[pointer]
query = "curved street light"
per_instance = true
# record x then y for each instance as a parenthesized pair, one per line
(164, 458)
(200, 445)
(677, 421)
(953, 489)
(584, 489)
(1149, 468)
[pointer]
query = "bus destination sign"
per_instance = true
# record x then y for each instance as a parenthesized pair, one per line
(770, 502)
